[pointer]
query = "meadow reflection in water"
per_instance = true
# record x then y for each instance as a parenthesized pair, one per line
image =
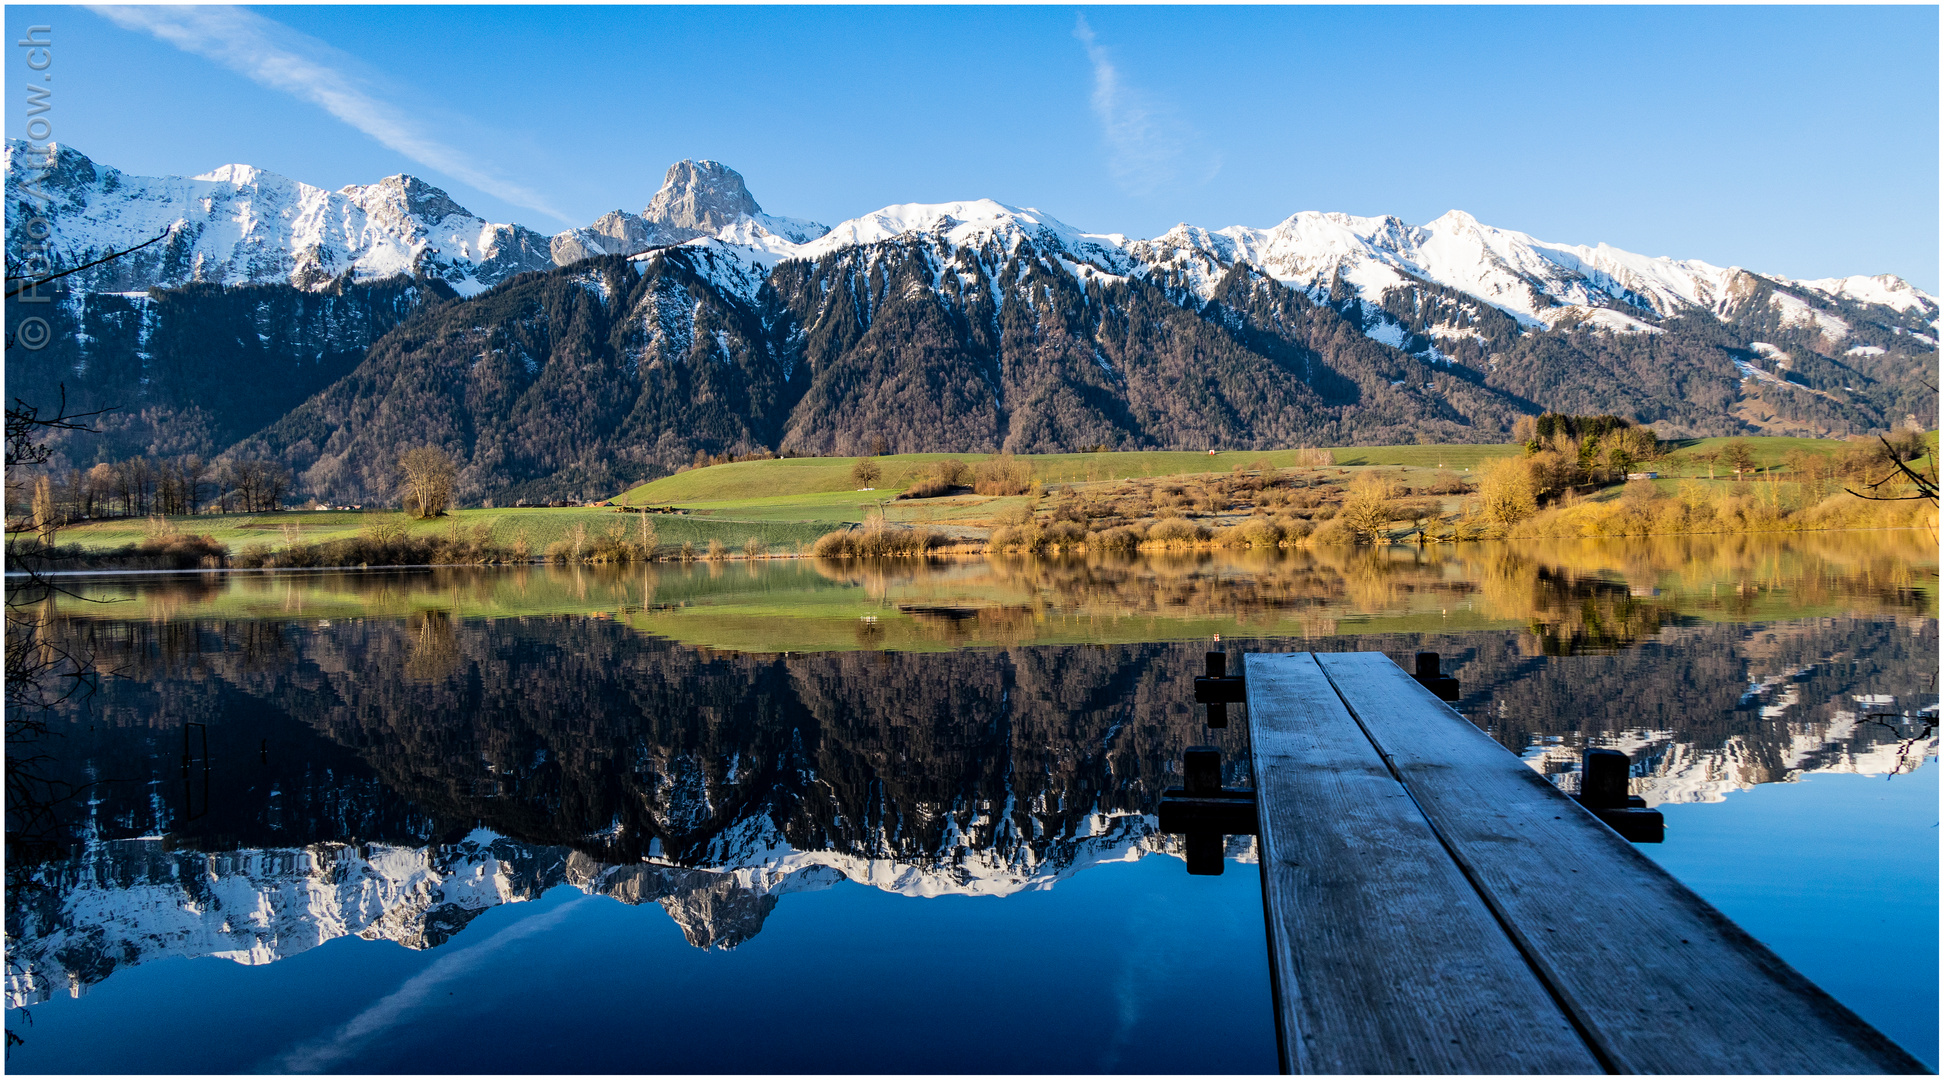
(1573, 594)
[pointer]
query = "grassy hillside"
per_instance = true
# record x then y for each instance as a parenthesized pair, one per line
(1687, 458)
(821, 489)
(792, 478)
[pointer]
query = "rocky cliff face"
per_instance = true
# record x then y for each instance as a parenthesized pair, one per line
(706, 196)
(697, 199)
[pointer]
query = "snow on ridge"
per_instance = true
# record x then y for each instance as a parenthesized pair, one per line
(243, 225)
(1887, 290)
(238, 174)
(969, 222)
(1502, 267)
(1796, 313)
(794, 230)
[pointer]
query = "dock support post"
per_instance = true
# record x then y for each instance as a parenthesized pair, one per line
(1201, 777)
(1204, 811)
(1434, 680)
(1218, 689)
(1603, 790)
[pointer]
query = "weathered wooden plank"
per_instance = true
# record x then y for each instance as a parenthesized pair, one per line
(1384, 957)
(1660, 980)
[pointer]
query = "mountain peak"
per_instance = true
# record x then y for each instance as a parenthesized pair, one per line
(240, 175)
(410, 195)
(1456, 219)
(705, 195)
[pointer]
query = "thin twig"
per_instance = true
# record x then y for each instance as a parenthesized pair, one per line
(1926, 487)
(111, 256)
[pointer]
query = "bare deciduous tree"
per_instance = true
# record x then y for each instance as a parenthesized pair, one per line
(426, 474)
(1367, 507)
(45, 519)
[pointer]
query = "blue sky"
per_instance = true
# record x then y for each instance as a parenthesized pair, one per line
(1800, 141)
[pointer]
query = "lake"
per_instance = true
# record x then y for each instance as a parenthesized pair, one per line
(800, 816)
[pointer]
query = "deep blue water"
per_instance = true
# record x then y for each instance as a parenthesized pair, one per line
(1836, 873)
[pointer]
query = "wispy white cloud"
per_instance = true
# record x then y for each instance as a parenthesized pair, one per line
(273, 55)
(1149, 145)
(394, 1007)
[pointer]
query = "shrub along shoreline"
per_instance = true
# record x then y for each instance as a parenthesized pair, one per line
(1637, 513)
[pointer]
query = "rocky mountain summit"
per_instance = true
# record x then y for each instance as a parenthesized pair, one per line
(697, 199)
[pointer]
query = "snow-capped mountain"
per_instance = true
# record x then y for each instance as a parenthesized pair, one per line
(1539, 283)
(241, 224)
(238, 225)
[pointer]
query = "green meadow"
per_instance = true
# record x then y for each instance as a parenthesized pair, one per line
(541, 525)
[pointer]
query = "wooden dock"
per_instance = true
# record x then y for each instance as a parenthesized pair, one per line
(1436, 906)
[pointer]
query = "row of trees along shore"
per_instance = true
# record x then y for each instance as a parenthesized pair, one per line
(141, 486)
(188, 484)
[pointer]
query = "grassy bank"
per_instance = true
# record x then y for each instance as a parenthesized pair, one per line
(540, 527)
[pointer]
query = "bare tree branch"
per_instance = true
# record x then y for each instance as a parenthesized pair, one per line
(110, 257)
(1926, 485)
(25, 424)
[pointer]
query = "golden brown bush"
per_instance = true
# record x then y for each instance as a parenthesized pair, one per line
(1254, 533)
(1176, 532)
(1121, 538)
(1002, 474)
(878, 542)
(1063, 534)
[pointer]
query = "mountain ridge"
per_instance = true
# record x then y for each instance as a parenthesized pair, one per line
(707, 199)
(706, 326)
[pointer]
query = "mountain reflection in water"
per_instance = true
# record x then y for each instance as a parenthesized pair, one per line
(390, 755)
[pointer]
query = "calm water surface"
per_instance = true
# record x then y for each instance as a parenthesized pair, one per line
(791, 817)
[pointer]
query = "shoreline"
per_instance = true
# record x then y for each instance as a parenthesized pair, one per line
(21, 576)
